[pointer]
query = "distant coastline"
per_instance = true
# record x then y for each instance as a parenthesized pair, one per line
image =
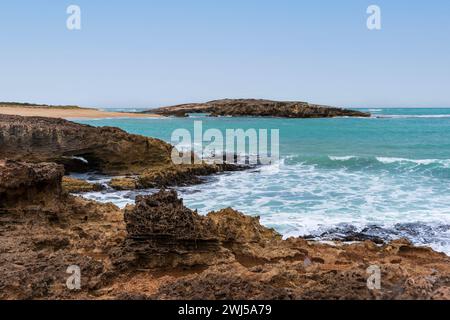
(224, 107)
(65, 112)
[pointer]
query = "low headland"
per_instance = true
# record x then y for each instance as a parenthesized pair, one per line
(65, 112)
(258, 108)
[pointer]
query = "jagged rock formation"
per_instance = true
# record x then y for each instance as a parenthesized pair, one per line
(258, 108)
(27, 184)
(253, 262)
(43, 231)
(173, 175)
(79, 147)
(159, 249)
(106, 150)
(74, 185)
(162, 232)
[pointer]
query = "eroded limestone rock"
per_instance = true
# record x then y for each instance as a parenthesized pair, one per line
(79, 147)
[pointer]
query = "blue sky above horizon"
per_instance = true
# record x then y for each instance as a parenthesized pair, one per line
(152, 53)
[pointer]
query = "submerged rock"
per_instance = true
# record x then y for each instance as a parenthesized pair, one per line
(258, 108)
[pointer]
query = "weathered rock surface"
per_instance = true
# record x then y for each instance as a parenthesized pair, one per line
(253, 262)
(162, 232)
(326, 273)
(43, 231)
(173, 175)
(159, 249)
(146, 161)
(79, 147)
(258, 108)
(73, 185)
(28, 184)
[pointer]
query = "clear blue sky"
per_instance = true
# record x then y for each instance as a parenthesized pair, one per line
(151, 53)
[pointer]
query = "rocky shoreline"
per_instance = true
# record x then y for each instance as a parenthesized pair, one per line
(158, 248)
(258, 108)
(145, 162)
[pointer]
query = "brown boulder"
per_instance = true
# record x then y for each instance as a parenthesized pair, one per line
(162, 232)
(29, 184)
(164, 215)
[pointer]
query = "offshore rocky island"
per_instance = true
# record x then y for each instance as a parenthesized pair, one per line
(158, 248)
(258, 108)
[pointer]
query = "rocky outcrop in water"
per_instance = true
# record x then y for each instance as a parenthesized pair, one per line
(79, 147)
(258, 108)
(74, 185)
(173, 175)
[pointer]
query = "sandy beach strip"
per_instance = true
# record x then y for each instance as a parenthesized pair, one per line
(75, 113)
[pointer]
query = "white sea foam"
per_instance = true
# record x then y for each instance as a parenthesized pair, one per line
(390, 160)
(302, 199)
(344, 158)
(81, 159)
(119, 198)
(412, 116)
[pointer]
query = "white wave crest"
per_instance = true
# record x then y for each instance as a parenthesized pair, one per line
(389, 160)
(412, 116)
(344, 158)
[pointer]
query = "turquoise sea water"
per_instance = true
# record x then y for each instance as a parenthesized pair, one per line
(388, 175)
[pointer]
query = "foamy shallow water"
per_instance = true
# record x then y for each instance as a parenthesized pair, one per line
(302, 200)
(387, 176)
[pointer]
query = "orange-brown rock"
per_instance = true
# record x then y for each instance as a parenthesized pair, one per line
(260, 265)
(29, 184)
(163, 233)
(79, 147)
(105, 150)
(73, 185)
(159, 249)
(43, 231)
